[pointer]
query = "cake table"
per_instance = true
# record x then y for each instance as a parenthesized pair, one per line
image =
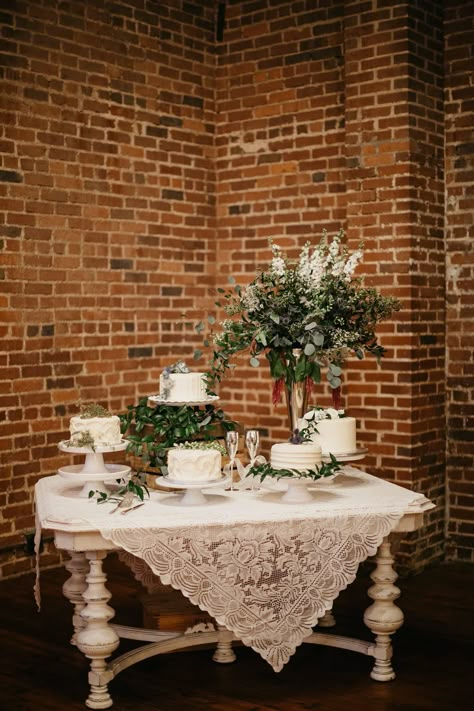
(266, 573)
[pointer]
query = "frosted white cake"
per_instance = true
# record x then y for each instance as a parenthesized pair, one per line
(183, 387)
(105, 431)
(302, 457)
(336, 436)
(194, 465)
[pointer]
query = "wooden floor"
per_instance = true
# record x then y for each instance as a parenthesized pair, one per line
(41, 671)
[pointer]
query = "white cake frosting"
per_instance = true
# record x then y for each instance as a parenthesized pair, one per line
(194, 465)
(105, 431)
(302, 457)
(183, 387)
(336, 436)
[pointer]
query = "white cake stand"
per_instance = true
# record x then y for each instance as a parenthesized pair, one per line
(159, 400)
(348, 456)
(93, 473)
(193, 495)
(295, 491)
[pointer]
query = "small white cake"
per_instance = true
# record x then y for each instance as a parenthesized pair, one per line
(194, 465)
(302, 457)
(104, 431)
(183, 387)
(336, 436)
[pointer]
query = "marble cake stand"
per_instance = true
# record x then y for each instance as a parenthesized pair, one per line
(94, 472)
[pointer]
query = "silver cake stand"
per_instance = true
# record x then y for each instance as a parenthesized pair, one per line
(92, 474)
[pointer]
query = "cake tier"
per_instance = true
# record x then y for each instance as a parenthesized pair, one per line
(295, 456)
(183, 387)
(194, 465)
(337, 436)
(105, 431)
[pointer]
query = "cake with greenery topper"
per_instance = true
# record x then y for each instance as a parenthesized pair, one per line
(179, 384)
(95, 426)
(192, 462)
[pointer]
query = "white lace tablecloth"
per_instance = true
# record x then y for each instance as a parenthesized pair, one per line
(264, 569)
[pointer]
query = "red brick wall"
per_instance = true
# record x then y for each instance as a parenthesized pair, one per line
(144, 160)
(107, 223)
(333, 116)
(459, 117)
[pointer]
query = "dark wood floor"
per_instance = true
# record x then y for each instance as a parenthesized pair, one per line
(41, 671)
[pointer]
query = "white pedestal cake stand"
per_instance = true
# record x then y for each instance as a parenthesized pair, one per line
(193, 494)
(295, 491)
(93, 473)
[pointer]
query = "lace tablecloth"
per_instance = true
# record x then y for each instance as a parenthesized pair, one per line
(265, 570)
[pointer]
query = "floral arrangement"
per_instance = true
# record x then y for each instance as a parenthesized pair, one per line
(202, 445)
(178, 367)
(302, 316)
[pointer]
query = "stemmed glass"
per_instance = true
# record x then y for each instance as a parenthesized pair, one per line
(252, 440)
(232, 445)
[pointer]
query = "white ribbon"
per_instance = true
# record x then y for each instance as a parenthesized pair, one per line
(246, 482)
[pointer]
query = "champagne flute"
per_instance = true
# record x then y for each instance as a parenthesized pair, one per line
(232, 445)
(252, 440)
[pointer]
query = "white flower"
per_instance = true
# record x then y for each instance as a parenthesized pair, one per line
(249, 298)
(351, 264)
(278, 266)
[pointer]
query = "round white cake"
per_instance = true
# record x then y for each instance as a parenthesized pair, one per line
(336, 436)
(105, 431)
(302, 457)
(194, 465)
(183, 387)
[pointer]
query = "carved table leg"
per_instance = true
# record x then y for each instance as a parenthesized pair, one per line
(224, 653)
(97, 640)
(383, 617)
(327, 620)
(74, 587)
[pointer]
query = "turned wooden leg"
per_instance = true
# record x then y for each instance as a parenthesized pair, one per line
(327, 620)
(383, 617)
(74, 587)
(224, 653)
(97, 639)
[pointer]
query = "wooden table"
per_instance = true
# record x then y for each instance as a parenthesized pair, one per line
(97, 638)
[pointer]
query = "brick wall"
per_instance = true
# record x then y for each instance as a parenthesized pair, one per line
(333, 116)
(459, 117)
(145, 159)
(107, 187)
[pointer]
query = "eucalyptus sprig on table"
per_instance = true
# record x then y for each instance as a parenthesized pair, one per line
(135, 485)
(326, 469)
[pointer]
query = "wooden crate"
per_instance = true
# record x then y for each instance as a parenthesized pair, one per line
(168, 609)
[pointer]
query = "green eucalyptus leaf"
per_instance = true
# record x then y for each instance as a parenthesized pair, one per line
(335, 369)
(335, 382)
(318, 339)
(254, 362)
(309, 349)
(197, 354)
(231, 279)
(211, 319)
(310, 326)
